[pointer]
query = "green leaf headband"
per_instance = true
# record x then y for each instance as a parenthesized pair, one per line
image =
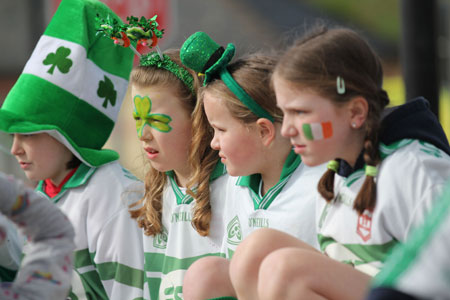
(202, 54)
(153, 60)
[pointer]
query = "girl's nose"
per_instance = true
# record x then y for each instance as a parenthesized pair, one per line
(145, 134)
(215, 143)
(16, 148)
(287, 130)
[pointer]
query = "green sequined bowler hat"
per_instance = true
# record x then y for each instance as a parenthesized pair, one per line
(202, 54)
(73, 85)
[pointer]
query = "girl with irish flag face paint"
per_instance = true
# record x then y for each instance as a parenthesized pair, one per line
(382, 175)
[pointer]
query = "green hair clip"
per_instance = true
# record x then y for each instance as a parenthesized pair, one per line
(202, 54)
(153, 60)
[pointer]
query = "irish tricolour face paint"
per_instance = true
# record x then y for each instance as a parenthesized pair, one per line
(317, 131)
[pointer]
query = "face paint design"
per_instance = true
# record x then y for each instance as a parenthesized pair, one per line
(317, 131)
(142, 115)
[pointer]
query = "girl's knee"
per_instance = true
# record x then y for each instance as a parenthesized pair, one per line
(278, 271)
(204, 276)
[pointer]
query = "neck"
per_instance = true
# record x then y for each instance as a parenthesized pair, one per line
(183, 176)
(58, 180)
(275, 158)
(352, 148)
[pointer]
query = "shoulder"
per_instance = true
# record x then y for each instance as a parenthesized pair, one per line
(416, 161)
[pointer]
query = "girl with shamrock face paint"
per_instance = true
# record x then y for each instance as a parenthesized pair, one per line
(383, 172)
(271, 186)
(180, 212)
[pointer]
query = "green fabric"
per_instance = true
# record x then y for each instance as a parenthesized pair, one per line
(101, 50)
(159, 262)
(367, 253)
(224, 298)
(7, 275)
(218, 171)
(191, 56)
(252, 182)
(404, 255)
(37, 104)
(79, 178)
(121, 273)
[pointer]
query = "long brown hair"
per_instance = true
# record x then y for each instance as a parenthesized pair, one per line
(252, 73)
(148, 210)
(315, 62)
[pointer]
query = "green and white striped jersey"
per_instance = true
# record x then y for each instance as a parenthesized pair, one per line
(410, 176)
(421, 266)
(169, 254)
(289, 206)
(108, 258)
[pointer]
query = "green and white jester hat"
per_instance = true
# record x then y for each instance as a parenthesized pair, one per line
(73, 85)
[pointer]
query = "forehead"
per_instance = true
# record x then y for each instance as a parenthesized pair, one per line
(160, 96)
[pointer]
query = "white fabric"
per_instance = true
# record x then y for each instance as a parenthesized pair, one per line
(408, 181)
(181, 245)
(46, 271)
(292, 211)
(82, 70)
(104, 229)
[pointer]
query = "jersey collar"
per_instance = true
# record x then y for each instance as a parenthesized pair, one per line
(253, 181)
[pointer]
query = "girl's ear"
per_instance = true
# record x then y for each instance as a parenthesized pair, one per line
(266, 130)
(358, 109)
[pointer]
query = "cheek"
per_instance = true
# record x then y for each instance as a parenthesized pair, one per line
(317, 131)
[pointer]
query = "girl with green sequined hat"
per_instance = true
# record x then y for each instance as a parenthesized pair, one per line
(240, 107)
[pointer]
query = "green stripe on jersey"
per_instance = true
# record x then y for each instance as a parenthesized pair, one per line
(121, 273)
(367, 253)
(405, 254)
(159, 262)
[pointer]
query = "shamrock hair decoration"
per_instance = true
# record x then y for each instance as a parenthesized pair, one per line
(143, 31)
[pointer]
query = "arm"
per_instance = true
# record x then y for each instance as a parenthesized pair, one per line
(46, 271)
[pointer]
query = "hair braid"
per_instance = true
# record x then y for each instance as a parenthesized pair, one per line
(326, 185)
(366, 198)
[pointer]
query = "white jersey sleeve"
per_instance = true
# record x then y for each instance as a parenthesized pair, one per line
(421, 266)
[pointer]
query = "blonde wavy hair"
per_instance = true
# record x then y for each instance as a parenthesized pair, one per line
(148, 210)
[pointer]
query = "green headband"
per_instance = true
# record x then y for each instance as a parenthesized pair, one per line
(152, 59)
(202, 54)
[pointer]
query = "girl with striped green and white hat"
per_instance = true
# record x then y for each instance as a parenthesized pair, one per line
(61, 112)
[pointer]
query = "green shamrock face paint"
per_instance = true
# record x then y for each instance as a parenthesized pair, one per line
(142, 115)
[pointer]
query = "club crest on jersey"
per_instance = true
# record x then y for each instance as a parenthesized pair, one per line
(234, 232)
(160, 240)
(364, 227)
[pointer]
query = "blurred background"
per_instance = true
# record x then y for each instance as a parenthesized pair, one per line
(411, 36)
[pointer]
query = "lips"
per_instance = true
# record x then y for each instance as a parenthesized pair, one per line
(151, 153)
(24, 165)
(299, 149)
(222, 158)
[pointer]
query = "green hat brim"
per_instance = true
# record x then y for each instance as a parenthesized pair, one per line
(221, 63)
(12, 123)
